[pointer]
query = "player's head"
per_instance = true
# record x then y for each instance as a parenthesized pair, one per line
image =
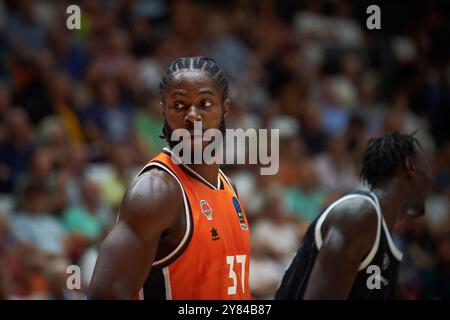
(398, 157)
(193, 89)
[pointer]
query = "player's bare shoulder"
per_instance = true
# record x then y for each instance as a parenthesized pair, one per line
(153, 199)
(354, 218)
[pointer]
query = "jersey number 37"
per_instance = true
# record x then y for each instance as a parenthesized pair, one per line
(240, 260)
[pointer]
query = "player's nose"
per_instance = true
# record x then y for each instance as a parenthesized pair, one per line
(192, 115)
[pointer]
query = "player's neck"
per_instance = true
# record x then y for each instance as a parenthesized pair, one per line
(209, 172)
(391, 206)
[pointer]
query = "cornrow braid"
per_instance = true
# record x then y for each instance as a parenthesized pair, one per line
(203, 64)
(385, 155)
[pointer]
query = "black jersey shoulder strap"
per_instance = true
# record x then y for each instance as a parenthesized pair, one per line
(357, 194)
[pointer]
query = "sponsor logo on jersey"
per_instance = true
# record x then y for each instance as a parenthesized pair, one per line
(206, 209)
(239, 214)
(214, 234)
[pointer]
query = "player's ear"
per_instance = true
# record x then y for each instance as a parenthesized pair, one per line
(163, 109)
(226, 107)
(410, 167)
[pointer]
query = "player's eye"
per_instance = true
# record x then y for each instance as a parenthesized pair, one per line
(206, 103)
(178, 105)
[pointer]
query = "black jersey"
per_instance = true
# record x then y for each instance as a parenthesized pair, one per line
(378, 272)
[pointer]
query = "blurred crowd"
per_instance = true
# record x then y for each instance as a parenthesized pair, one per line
(79, 115)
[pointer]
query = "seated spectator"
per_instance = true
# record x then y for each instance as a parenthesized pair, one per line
(307, 199)
(118, 175)
(274, 233)
(91, 216)
(274, 240)
(108, 118)
(335, 170)
(55, 272)
(43, 174)
(148, 123)
(436, 280)
(60, 91)
(35, 226)
(75, 170)
(16, 150)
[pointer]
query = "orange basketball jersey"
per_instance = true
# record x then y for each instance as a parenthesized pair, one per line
(212, 261)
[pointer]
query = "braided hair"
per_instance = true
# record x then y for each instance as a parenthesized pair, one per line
(385, 155)
(203, 64)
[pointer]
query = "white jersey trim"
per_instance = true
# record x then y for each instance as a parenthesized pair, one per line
(186, 207)
(394, 250)
(192, 171)
(229, 183)
(373, 251)
(166, 274)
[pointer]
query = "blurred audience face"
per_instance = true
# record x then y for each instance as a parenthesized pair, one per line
(109, 93)
(443, 251)
(393, 122)
(152, 104)
(90, 193)
(290, 58)
(122, 157)
(34, 200)
(19, 126)
(4, 98)
(4, 230)
(183, 18)
(294, 149)
(77, 158)
(216, 26)
(54, 134)
(343, 9)
(45, 62)
(274, 208)
(351, 65)
(119, 41)
(367, 89)
(55, 271)
(312, 121)
(307, 174)
(26, 9)
(336, 148)
(400, 101)
(42, 163)
(60, 85)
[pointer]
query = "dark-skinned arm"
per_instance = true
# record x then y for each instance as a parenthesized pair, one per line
(149, 207)
(349, 234)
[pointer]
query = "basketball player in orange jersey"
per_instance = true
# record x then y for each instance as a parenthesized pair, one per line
(182, 232)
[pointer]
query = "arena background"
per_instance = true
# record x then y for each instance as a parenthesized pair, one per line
(79, 115)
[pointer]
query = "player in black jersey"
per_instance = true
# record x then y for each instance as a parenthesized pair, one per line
(348, 252)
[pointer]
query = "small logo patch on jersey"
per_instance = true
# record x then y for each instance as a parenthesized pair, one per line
(239, 213)
(206, 209)
(214, 234)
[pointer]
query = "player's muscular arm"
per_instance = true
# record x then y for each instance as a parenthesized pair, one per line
(150, 206)
(349, 233)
